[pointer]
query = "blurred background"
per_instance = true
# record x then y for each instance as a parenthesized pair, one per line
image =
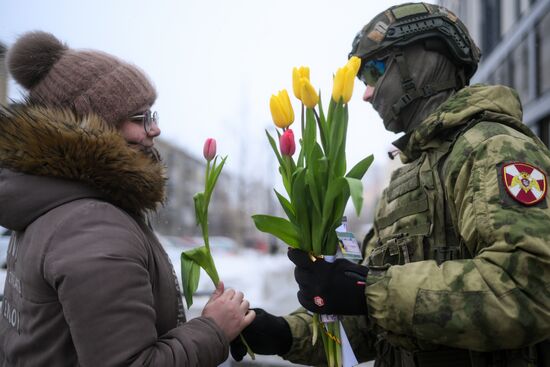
(216, 63)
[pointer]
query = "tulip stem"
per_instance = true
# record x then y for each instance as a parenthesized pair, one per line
(302, 121)
(206, 178)
(322, 131)
(288, 169)
(204, 221)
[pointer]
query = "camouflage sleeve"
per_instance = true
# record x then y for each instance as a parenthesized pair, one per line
(498, 299)
(302, 351)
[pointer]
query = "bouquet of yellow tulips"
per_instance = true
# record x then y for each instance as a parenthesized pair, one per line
(317, 184)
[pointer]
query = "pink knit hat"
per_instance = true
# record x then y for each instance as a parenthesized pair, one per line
(86, 81)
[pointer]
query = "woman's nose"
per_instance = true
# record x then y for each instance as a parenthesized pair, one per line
(155, 131)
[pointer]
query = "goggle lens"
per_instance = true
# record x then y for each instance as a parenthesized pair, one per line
(371, 71)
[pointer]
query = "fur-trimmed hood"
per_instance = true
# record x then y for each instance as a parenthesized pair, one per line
(51, 157)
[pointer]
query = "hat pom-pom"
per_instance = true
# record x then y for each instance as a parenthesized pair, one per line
(32, 56)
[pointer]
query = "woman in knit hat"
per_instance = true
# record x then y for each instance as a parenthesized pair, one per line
(88, 282)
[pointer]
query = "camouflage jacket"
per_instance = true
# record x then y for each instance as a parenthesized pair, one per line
(459, 257)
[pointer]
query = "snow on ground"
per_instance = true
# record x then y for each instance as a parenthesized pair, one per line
(267, 281)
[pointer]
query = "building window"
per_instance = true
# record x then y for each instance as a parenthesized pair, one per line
(502, 74)
(520, 70)
(544, 130)
(543, 53)
(492, 28)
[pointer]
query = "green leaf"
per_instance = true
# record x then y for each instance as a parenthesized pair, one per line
(287, 207)
(274, 147)
(202, 257)
(279, 227)
(317, 233)
(299, 198)
(333, 207)
(286, 181)
(337, 156)
(198, 199)
(190, 274)
(214, 174)
(315, 177)
(301, 154)
(314, 192)
(310, 134)
(359, 170)
(323, 127)
(335, 188)
(321, 175)
(289, 169)
(330, 116)
(331, 239)
(356, 192)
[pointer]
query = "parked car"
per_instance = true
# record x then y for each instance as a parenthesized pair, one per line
(5, 235)
(220, 244)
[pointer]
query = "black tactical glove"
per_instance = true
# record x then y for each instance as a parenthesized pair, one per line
(267, 334)
(336, 288)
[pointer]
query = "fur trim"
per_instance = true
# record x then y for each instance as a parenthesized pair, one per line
(51, 142)
(32, 57)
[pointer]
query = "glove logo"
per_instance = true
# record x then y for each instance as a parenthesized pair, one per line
(319, 301)
(524, 182)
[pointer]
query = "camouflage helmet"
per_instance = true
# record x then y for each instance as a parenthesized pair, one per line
(405, 24)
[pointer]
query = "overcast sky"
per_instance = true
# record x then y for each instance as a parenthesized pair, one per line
(216, 63)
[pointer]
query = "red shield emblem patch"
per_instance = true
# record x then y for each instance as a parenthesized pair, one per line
(319, 301)
(524, 182)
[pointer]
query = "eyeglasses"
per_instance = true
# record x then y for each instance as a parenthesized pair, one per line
(371, 71)
(148, 118)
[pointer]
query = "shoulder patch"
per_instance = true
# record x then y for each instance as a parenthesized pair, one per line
(525, 183)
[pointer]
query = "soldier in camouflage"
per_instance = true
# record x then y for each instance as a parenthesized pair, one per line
(459, 255)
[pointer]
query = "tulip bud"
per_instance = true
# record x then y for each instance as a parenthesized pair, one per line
(344, 80)
(354, 63)
(209, 149)
(281, 109)
(286, 143)
(297, 74)
(338, 84)
(348, 84)
(308, 93)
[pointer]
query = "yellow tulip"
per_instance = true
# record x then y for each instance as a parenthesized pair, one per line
(354, 63)
(348, 84)
(344, 80)
(308, 93)
(297, 74)
(281, 109)
(338, 84)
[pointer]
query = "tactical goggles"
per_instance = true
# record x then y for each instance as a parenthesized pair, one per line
(148, 118)
(371, 71)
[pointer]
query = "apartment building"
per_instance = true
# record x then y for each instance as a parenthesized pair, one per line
(514, 37)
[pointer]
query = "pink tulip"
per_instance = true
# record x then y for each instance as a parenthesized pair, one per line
(287, 144)
(209, 150)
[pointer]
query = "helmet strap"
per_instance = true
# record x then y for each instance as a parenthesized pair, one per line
(412, 93)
